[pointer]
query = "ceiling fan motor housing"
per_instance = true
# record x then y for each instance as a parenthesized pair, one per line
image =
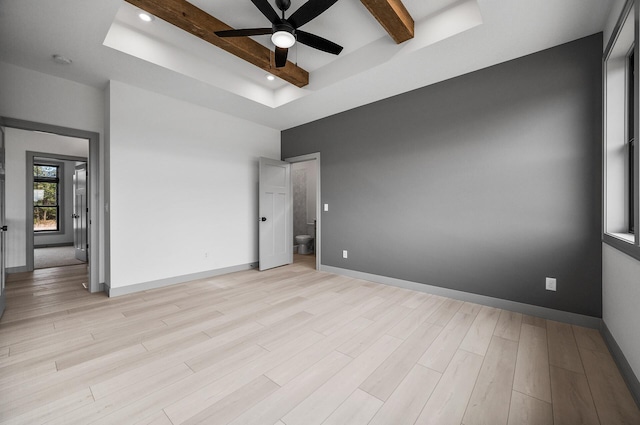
(283, 4)
(284, 26)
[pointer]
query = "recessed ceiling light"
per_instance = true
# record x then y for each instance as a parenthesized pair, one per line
(146, 17)
(62, 60)
(270, 77)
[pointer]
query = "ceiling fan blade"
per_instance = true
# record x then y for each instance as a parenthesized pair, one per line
(243, 33)
(309, 11)
(267, 10)
(317, 42)
(281, 57)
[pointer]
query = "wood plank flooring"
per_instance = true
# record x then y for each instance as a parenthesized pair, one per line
(292, 346)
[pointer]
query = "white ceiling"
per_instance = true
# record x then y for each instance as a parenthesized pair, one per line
(106, 42)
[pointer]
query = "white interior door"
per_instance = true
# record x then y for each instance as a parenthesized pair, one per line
(3, 226)
(80, 212)
(276, 218)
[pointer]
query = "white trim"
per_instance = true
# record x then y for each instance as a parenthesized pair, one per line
(627, 237)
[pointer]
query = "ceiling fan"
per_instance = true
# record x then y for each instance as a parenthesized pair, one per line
(285, 32)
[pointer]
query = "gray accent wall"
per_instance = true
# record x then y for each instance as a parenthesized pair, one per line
(486, 183)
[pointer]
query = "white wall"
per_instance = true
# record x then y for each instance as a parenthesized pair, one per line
(183, 186)
(34, 96)
(620, 296)
(309, 168)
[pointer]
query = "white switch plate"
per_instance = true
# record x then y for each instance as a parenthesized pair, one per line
(550, 284)
(326, 207)
(344, 253)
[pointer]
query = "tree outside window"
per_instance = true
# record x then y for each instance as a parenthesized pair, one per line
(46, 180)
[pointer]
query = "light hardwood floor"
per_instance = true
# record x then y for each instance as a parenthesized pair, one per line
(292, 346)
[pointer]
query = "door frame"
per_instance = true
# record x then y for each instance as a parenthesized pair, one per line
(3, 238)
(31, 155)
(318, 242)
(93, 164)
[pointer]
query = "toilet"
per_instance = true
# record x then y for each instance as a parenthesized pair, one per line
(303, 242)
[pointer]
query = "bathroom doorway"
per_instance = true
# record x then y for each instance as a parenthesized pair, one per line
(305, 187)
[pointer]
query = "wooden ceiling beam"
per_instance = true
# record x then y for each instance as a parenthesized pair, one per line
(393, 16)
(193, 20)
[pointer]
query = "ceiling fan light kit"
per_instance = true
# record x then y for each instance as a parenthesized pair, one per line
(284, 31)
(283, 38)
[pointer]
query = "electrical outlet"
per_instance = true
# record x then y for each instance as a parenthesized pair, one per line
(344, 253)
(550, 284)
(206, 255)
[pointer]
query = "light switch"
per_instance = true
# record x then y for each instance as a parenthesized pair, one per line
(326, 207)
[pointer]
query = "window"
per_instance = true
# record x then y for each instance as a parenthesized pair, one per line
(46, 194)
(621, 121)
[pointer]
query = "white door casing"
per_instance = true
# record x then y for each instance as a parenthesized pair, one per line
(275, 214)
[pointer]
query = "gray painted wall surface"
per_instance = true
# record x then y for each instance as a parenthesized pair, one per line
(486, 183)
(303, 182)
(299, 186)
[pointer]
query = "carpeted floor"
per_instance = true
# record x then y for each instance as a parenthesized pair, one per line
(54, 257)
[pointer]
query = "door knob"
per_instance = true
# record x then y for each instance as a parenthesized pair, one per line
(263, 219)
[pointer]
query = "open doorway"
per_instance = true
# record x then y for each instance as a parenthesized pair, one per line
(305, 187)
(20, 207)
(58, 190)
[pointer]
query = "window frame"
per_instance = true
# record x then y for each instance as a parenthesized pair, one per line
(60, 194)
(631, 184)
(626, 239)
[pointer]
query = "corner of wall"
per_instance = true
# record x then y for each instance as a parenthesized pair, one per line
(106, 190)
